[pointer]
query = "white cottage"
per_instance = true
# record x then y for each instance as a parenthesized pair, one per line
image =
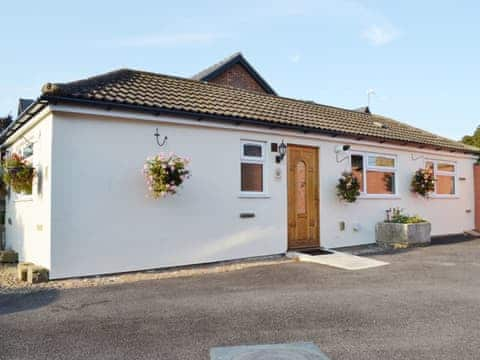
(89, 213)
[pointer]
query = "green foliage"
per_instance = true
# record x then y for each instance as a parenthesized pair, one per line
(423, 182)
(473, 140)
(398, 217)
(348, 187)
(164, 173)
(18, 174)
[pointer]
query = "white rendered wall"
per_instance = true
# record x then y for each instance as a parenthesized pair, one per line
(103, 222)
(448, 216)
(28, 217)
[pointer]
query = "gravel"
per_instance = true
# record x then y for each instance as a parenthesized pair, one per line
(10, 284)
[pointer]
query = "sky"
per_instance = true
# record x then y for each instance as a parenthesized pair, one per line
(421, 58)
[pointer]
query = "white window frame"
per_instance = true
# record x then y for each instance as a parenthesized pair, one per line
(366, 167)
(444, 173)
(254, 160)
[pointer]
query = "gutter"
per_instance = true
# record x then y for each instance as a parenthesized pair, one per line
(32, 110)
(197, 115)
(44, 100)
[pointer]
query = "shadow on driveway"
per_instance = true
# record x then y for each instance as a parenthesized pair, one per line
(452, 239)
(18, 302)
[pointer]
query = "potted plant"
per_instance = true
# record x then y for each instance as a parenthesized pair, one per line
(18, 173)
(164, 173)
(402, 230)
(348, 187)
(423, 182)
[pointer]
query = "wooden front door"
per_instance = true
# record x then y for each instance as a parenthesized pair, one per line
(303, 197)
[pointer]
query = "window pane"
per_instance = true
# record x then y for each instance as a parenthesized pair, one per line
(357, 169)
(381, 161)
(252, 150)
(445, 167)
(252, 177)
(380, 182)
(445, 185)
(300, 182)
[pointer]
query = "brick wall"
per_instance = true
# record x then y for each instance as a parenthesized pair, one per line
(238, 77)
(476, 176)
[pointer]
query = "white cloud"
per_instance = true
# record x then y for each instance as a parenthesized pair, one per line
(380, 35)
(353, 15)
(167, 40)
(295, 58)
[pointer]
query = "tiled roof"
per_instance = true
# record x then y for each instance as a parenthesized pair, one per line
(145, 91)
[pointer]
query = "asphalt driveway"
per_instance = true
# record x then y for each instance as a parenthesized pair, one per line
(425, 305)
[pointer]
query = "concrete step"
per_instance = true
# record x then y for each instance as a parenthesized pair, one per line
(338, 260)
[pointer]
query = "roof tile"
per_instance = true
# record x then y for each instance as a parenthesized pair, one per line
(158, 91)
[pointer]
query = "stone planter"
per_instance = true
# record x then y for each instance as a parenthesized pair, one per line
(402, 235)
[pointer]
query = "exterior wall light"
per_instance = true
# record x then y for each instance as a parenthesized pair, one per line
(342, 150)
(282, 150)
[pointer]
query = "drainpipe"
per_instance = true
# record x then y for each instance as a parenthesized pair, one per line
(476, 194)
(4, 122)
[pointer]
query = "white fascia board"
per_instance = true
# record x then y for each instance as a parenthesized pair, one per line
(113, 114)
(27, 126)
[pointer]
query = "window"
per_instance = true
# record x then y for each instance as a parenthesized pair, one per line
(375, 173)
(445, 175)
(252, 167)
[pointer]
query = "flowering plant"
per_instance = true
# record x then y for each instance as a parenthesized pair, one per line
(397, 216)
(18, 173)
(348, 187)
(164, 173)
(423, 182)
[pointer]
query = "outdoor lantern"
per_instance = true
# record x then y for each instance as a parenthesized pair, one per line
(282, 149)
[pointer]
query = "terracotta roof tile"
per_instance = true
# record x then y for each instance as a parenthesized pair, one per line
(156, 91)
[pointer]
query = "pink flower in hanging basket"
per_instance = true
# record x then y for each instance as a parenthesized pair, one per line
(164, 173)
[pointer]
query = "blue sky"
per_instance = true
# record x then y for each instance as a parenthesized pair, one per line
(421, 57)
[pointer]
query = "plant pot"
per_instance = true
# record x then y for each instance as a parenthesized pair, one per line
(405, 235)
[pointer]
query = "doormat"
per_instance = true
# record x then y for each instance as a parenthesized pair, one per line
(294, 351)
(315, 251)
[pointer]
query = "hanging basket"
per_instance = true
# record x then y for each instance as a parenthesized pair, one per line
(423, 182)
(18, 174)
(348, 188)
(165, 173)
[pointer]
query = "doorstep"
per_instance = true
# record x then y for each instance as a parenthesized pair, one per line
(337, 259)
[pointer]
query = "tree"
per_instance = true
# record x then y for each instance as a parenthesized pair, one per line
(474, 139)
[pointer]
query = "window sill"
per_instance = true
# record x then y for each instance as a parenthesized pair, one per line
(253, 196)
(27, 199)
(444, 197)
(379, 197)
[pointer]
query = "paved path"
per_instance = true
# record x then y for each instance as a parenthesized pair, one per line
(424, 305)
